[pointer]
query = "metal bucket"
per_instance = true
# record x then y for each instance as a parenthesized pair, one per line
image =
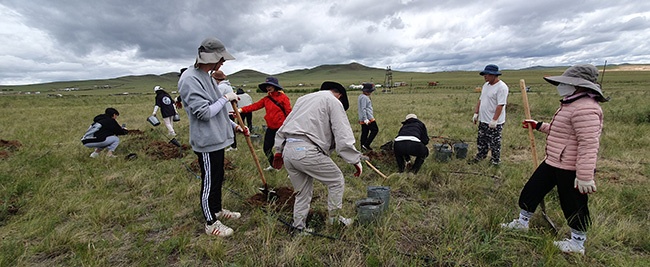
(153, 120)
(461, 150)
(368, 210)
(176, 117)
(175, 142)
(380, 192)
(256, 138)
(443, 152)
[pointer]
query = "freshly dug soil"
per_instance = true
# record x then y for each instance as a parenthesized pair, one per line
(164, 150)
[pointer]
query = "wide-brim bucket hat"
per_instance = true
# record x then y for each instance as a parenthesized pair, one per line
(368, 87)
(270, 81)
(584, 76)
(211, 51)
(491, 69)
(340, 89)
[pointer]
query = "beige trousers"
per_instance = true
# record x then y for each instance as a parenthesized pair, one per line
(305, 163)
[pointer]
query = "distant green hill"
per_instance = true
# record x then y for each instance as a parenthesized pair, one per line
(303, 79)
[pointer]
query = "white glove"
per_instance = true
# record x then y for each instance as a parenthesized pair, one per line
(366, 122)
(585, 187)
(231, 97)
(239, 109)
(493, 124)
(475, 118)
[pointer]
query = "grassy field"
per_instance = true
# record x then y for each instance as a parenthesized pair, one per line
(59, 207)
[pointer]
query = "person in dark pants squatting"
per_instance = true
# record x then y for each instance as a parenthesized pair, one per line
(572, 144)
(210, 130)
(411, 140)
(490, 113)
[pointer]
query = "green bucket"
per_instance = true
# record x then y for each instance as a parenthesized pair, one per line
(368, 210)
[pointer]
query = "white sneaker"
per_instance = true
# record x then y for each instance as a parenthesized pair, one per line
(230, 149)
(226, 214)
(515, 224)
(94, 154)
(569, 246)
(172, 134)
(340, 219)
(269, 168)
(304, 232)
(218, 229)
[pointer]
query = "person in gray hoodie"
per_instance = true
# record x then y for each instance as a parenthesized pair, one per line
(210, 129)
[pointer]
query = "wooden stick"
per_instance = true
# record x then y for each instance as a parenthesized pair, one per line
(250, 145)
(376, 170)
(531, 137)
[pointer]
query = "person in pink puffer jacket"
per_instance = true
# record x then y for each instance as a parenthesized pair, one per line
(571, 152)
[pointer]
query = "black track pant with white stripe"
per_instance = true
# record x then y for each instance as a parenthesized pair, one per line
(212, 174)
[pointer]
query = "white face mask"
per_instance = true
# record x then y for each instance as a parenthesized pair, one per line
(565, 89)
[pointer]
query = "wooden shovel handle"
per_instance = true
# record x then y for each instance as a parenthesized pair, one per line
(250, 144)
(376, 170)
(531, 136)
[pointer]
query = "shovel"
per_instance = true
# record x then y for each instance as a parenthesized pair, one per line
(377, 171)
(270, 194)
(533, 150)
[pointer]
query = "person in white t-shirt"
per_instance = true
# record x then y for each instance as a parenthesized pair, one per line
(490, 113)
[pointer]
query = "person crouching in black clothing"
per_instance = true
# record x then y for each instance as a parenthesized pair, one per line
(411, 140)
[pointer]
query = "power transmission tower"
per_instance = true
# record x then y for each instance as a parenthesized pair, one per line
(388, 81)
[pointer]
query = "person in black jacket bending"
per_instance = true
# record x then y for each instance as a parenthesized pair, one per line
(103, 133)
(411, 140)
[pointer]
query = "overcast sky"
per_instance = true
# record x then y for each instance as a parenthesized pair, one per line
(62, 40)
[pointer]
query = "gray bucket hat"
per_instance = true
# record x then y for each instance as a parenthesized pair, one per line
(211, 51)
(584, 76)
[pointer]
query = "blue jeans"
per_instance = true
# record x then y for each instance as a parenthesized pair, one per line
(111, 143)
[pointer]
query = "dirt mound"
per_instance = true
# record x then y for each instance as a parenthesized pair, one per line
(196, 168)
(11, 145)
(164, 150)
(7, 147)
(284, 201)
(135, 132)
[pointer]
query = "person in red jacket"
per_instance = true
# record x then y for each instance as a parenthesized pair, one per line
(571, 151)
(277, 106)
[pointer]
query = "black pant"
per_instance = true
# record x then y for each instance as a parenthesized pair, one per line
(573, 203)
(234, 142)
(368, 133)
(248, 118)
(269, 141)
(212, 174)
(405, 149)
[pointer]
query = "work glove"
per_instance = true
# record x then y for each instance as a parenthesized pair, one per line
(585, 187)
(239, 110)
(366, 122)
(231, 97)
(493, 124)
(244, 130)
(532, 123)
(364, 158)
(277, 161)
(359, 169)
(475, 118)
